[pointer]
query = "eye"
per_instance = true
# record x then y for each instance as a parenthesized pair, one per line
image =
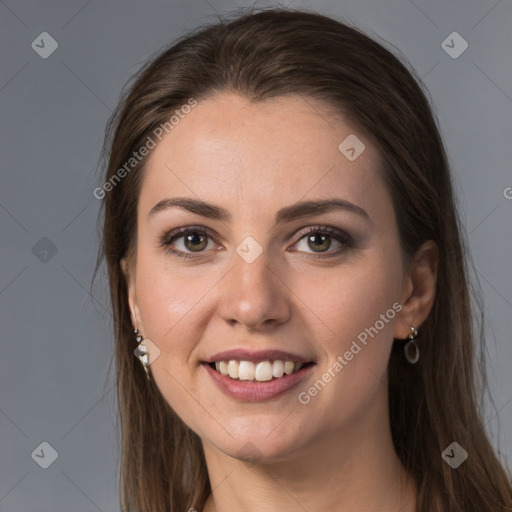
(323, 239)
(186, 241)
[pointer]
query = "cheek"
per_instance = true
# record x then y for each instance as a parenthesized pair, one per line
(169, 295)
(352, 374)
(348, 302)
(175, 309)
(355, 309)
(172, 305)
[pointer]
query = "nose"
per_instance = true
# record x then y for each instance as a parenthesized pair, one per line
(254, 295)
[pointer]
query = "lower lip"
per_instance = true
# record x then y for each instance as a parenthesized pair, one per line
(254, 391)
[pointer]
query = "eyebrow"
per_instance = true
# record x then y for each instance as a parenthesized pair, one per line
(286, 214)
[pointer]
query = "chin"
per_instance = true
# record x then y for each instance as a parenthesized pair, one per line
(256, 446)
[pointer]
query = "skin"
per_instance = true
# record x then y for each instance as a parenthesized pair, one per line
(336, 452)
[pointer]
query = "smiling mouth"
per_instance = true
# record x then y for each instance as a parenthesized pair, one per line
(262, 371)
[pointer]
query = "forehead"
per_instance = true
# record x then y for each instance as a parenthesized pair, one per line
(278, 150)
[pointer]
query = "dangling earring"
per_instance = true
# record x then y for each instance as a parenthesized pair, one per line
(411, 349)
(142, 352)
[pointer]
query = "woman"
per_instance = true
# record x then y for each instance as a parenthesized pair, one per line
(285, 258)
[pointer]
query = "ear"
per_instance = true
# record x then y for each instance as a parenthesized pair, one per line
(419, 290)
(129, 274)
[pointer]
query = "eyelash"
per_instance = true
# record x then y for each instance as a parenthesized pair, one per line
(340, 236)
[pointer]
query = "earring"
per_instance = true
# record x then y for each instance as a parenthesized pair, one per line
(142, 352)
(411, 349)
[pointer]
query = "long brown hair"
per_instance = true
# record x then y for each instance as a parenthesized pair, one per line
(271, 53)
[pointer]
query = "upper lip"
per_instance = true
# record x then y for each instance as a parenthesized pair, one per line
(241, 354)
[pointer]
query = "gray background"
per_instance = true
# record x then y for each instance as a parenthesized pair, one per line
(56, 338)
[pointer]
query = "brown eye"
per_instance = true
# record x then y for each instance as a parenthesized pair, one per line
(195, 242)
(319, 242)
(186, 241)
(325, 241)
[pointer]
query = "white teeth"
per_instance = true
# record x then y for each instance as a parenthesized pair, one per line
(233, 369)
(223, 367)
(264, 371)
(278, 369)
(288, 367)
(246, 370)
(261, 372)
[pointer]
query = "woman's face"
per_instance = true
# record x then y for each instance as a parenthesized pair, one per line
(260, 273)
